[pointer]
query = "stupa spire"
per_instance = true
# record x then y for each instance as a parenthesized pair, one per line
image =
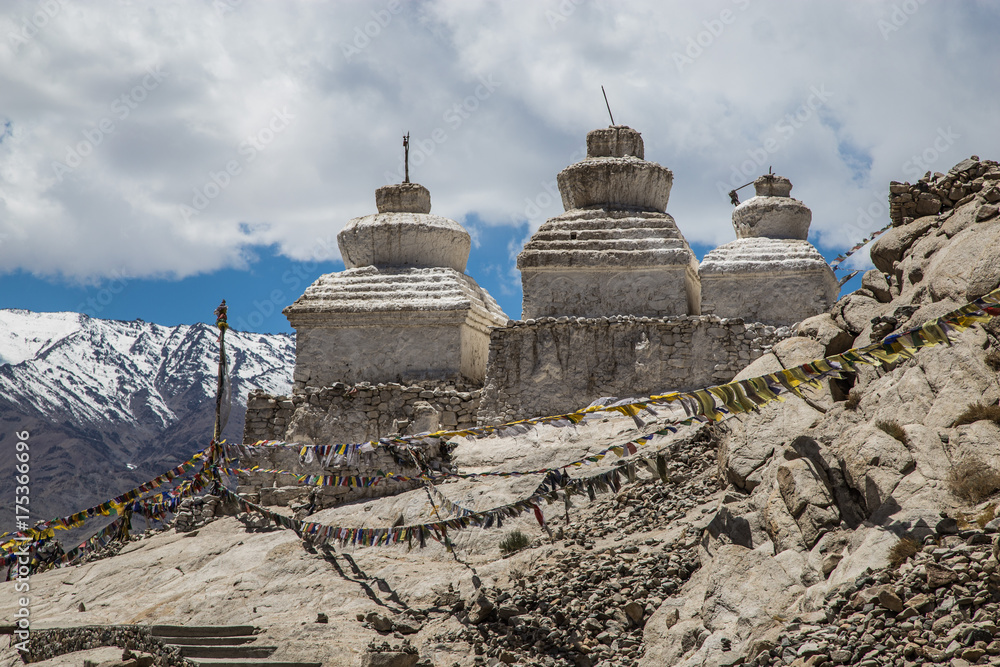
(615, 251)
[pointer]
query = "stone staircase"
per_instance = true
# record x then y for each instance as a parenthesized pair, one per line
(221, 646)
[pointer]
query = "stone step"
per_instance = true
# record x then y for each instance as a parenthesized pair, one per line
(208, 641)
(598, 220)
(202, 631)
(189, 651)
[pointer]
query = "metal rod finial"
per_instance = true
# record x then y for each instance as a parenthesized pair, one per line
(607, 105)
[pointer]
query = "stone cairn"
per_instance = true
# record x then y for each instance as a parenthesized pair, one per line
(937, 193)
(615, 251)
(193, 513)
(770, 273)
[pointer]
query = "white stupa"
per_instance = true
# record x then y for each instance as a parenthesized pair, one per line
(403, 310)
(615, 251)
(770, 273)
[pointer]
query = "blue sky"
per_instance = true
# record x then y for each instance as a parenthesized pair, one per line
(158, 156)
(256, 295)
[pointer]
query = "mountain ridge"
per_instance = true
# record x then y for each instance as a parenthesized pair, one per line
(109, 403)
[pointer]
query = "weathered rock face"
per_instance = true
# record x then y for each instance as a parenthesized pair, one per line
(403, 310)
(770, 273)
(615, 251)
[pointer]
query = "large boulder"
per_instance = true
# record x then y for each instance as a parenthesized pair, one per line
(874, 462)
(855, 312)
(751, 442)
(874, 281)
(824, 329)
(889, 247)
(951, 269)
(807, 496)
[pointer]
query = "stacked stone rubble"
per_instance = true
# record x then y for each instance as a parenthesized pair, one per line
(360, 412)
(193, 513)
(937, 193)
(46, 644)
(940, 607)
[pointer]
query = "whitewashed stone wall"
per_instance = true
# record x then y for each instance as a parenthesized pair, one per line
(615, 251)
(392, 325)
(555, 365)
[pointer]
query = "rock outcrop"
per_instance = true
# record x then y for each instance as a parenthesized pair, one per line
(822, 491)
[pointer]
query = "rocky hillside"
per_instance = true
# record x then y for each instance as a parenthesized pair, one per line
(854, 527)
(822, 490)
(109, 404)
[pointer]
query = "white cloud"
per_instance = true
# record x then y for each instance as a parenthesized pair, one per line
(273, 123)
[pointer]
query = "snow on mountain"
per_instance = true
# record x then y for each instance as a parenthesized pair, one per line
(102, 372)
(110, 404)
(24, 334)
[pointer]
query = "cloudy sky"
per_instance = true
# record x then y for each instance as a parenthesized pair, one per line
(157, 156)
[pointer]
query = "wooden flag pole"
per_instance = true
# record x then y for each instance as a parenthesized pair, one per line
(220, 321)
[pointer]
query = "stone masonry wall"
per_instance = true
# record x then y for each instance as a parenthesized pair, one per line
(935, 193)
(556, 365)
(359, 412)
(342, 413)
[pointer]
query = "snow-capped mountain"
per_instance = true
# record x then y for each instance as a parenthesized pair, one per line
(110, 404)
